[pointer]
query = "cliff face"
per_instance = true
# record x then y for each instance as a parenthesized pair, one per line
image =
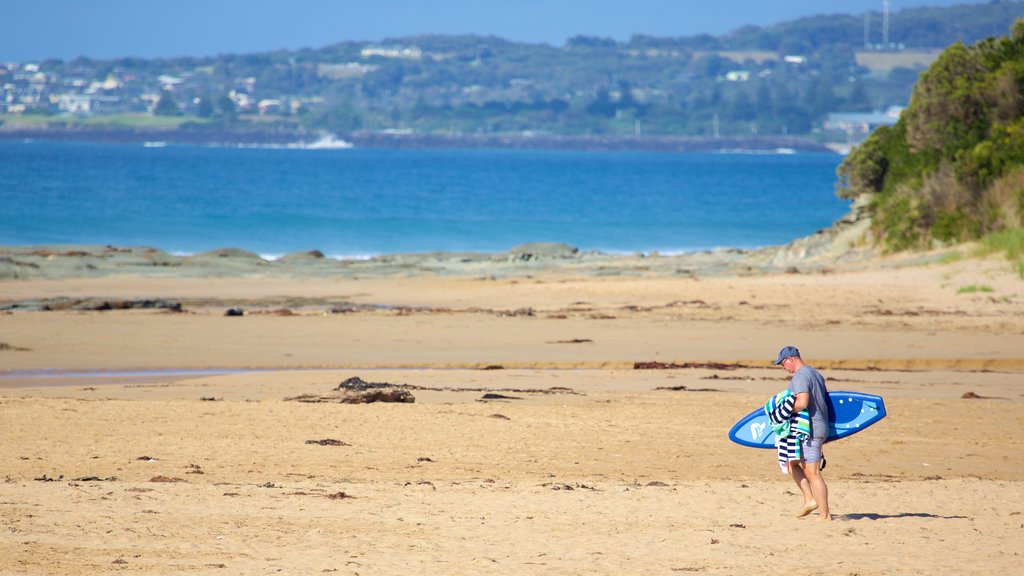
(847, 240)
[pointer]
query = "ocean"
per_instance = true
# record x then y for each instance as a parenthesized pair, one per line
(357, 203)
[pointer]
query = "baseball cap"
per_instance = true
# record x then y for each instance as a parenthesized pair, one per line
(786, 352)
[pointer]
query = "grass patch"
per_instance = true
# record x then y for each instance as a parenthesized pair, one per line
(950, 257)
(974, 288)
(140, 120)
(1010, 243)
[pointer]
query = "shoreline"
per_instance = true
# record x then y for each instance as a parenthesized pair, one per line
(840, 246)
(220, 136)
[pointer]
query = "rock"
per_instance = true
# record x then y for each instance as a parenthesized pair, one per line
(541, 251)
(236, 253)
(234, 312)
(300, 257)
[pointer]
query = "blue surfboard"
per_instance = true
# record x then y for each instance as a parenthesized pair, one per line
(849, 413)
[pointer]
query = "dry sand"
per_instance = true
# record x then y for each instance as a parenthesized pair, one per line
(114, 459)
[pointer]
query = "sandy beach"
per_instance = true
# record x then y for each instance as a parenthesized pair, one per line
(145, 431)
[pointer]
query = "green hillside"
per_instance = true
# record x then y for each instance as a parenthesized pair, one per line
(952, 168)
(764, 81)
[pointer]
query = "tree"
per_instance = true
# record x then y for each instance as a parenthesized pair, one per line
(764, 103)
(205, 106)
(740, 108)
(227, 105)
(859, 101)
(602, 105)
(167, 105)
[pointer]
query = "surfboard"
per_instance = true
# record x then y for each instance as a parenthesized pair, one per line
(849, 413)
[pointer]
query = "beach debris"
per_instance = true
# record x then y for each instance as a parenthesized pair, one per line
(656, 484)
(328, 442)
(517, 312)
(209, 399)
(194, 469)
(234, 312)
(355, 390)
(45, 478)
(736, 526)
(95, 479)
(424, 459)
(146, 458)
(267, 485)
(9, 347)
(672, 365)
(165, 479)
(686, 389)
(573, 341)
(974, 396)
(93, 304)
(493, 367)
(563, 486)
(339, 496)
(493, 396)
(499, 417)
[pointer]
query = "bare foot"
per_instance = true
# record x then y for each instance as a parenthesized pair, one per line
(824, 517)
(807, 509)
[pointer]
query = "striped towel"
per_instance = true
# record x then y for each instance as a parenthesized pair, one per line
(789, 429)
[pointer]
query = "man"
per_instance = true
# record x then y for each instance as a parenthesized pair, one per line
(808, 386)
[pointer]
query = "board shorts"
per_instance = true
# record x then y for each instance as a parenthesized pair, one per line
(811, 449)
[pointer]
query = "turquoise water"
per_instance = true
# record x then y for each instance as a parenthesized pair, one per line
(363, 202)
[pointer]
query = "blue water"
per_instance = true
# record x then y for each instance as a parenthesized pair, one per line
(361, 202)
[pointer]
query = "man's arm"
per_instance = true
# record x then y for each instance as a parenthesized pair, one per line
(802, 400)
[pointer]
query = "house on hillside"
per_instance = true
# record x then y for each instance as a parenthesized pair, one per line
(862, 122)
(853, 127)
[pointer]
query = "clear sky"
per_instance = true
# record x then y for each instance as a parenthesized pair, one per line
(33, 30)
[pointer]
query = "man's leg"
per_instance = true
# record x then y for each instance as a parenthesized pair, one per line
(812, 472)
(796, 470)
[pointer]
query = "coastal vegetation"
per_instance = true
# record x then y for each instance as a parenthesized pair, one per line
(974, 289)
(1007, 242)
(952, 168)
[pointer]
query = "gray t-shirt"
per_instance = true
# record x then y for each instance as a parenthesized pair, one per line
(809, 380)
